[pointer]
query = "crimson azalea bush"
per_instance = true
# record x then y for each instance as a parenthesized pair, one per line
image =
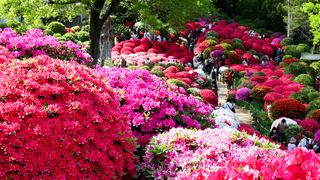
(209, 97)
(311, 125)
(287, 107)
(220, 153)
(315, 115)
(60, 121)
(258, 92)
(34, 42)
(152, 105)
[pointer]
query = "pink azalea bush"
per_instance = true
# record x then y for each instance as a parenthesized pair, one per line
(34, 42)
(152, 105)
(60, 121)
(225, 154)
(243, 94)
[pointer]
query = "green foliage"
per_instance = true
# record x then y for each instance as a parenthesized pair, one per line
(316, 67)
(293, 51)
(211, 42)
(305, 79)
(300, 96)
(176, 82)
(211, 34)
(259, 73)
(82, 36)
(56, 27)
(85, 28)
(156, 70)
(313, 95)
(56, 35)
(76, 28)
(286, 42)
(193, 91)
(302, 48)
(238, 45)
(178, 65)
(314, 105)
(226, 46)
(49, 32)
(313, 12)
(296, 68)
(70, 37)
(286, 57)
(293, 130)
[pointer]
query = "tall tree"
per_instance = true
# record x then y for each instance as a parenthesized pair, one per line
(156, 12)
(313, 12)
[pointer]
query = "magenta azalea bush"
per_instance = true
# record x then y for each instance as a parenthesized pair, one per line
(152, 105)
(60, 121)
(243, 94)
(225, 154)
(34, 42)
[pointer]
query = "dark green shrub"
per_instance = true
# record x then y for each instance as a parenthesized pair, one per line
(313, 95)
(226, 46)
(178, 65)
(286, 57)
(56, 27)
(304, 79)
(211, 42)
(48, 32)
(70, 37)
(238, 45)
(300, 96)
(83, 36)
(316, 67)
(259, 73)
(237, 40)
(292, 50)
(296, 68)
(293, 131)
(85, 28)
(176, 82)
(302, 48)
(314, 105)
(211, 34)
(286, 42)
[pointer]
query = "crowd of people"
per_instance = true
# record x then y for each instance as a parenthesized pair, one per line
(279, 134)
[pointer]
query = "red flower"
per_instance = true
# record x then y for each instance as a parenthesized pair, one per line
(288, 107)
(209, 96)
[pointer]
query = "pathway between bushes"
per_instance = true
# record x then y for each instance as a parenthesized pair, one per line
(243, 114)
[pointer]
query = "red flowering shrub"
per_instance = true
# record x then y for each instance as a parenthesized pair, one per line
(310, 125)
(258, 92)
(315, 115)
(287, 107)
(60, 121)
(287, 62)
(272, 96)
(258, 79)
(209, 96)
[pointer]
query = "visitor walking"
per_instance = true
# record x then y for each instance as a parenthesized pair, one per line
(274, 134)
(303, 142)
(282, 128)
(230, 104)
(229, 79)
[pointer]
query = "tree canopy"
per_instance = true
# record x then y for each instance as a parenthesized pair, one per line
(313, 12)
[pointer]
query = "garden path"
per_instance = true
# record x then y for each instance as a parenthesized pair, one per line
(243, 114)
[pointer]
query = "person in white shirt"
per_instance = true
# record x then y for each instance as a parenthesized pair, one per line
(303, 142)
(230, 105)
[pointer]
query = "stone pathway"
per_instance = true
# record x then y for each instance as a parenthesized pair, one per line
(243, 114)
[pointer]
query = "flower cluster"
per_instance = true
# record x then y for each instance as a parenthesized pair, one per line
(287, 107)
(221, 153)
(243, 94)
(137, 51)
(59, 120)
(34, 43)
(152, 105)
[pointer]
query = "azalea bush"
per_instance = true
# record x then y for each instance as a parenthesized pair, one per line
(61, 121)
(152, 105)
(243, 94)
(258, 92)
(304, 79)
(33, 43)
(287, 107)
(221, 153)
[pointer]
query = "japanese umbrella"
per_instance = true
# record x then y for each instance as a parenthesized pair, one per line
(216, 53)
(247, 56)
(278, 121)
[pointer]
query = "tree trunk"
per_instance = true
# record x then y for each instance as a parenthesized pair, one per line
(106, 44)
(95, 31)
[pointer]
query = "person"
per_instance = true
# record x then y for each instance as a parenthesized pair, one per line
(230, 104)
(303, 142)
(245, 62)
(282, 127)
(123, 63)
(214, 86)
(229, 79)
(274, 134)
(292, 144)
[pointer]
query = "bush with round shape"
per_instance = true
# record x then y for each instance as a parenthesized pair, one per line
(310, 125)
(287, 57)
(85, 28)
(70, 37)
(258, 92)
(315, 114)
(286, 42)
(61, 121)
(49, 32)
(272, 96)
(313, 95)
(76, 28)
(83, 36)
(293, 130)
(238, 45)
(211, 43)
(288, 107)
(304, 79)
(243, 94)
(176, 82)
(193, 91)
(316, 67)
(292, 50)
(302, 48)
(56, 35)
(226, 46)
(158, 71)
(300, 96)
(209, 96)
(56, 27)
(314, 105)
(296, 68)
(211, 34)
